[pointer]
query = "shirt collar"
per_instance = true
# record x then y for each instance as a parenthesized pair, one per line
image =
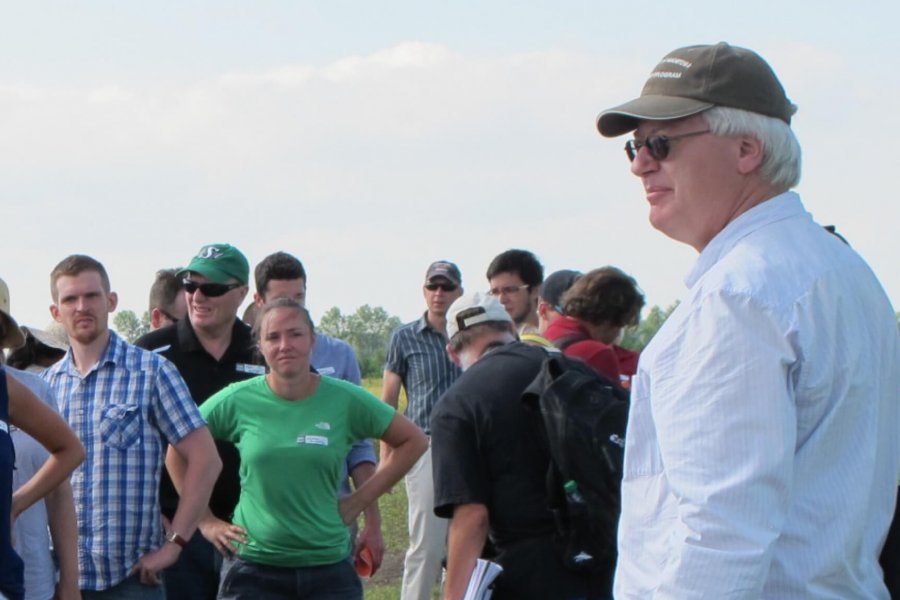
(113, 354)
(422, 323)
(241, 337)
(782, 206)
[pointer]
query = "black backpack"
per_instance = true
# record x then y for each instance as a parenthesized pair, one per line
(581, 419)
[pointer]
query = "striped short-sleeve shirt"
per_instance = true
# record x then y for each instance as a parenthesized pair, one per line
(417, 353)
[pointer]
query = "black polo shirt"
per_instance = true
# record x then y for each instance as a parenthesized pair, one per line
(483, 446)
(204, 376)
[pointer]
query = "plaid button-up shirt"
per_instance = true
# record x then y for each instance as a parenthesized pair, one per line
(125, 410)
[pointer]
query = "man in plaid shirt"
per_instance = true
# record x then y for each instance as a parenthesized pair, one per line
(125, 404)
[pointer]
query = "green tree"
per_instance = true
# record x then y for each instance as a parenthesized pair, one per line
(367, 331)
(334, 323)
(637, 338)
(129, 326)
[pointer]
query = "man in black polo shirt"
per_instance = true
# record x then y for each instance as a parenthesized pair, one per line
(212, 348)
(489, 474)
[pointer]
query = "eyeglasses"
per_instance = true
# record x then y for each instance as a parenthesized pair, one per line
(508, 290)
(210, 290)
(657, 145)
(446, 287)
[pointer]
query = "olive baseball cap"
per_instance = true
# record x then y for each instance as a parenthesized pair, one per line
(690, 80)
(220, 263)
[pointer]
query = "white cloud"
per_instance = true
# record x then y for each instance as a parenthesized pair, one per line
(372, 165)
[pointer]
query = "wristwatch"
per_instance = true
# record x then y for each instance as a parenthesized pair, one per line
(175, 538)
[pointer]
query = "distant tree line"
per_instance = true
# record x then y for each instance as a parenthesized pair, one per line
(367, 331)
(127, 324)
(637, 337)
(369, 328)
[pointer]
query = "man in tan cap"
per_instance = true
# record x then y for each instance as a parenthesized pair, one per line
(762, 448)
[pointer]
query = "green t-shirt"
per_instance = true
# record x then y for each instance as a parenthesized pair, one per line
(292, 454)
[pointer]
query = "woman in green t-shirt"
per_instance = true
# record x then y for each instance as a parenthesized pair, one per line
(293, 428)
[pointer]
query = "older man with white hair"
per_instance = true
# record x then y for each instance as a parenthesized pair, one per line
(490, 469)
(763, 444)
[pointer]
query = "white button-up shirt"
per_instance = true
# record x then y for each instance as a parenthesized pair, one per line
(762, 451)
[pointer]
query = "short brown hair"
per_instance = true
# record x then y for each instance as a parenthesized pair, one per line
(74, 265)
(281, 303)
(604, 295)
(165, 289)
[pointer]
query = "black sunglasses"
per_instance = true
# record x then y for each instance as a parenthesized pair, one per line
(657, 145)
(167, 315)
(447, 287)
(210, 290)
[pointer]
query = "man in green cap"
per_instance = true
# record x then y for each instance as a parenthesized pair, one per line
(211, 348)
(762, 441)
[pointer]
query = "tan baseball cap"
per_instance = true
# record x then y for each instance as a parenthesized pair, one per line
(690, 80)
(12, 335)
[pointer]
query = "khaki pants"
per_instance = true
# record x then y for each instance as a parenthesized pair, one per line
(427, 534)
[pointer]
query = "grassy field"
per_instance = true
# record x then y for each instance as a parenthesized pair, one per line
(385, 584)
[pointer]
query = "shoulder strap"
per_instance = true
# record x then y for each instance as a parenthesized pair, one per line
(566, 341)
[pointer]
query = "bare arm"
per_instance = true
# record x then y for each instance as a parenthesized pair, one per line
(201, 469)
(407, 443)
(43, 424)
(370, 536)
(218, 532)
(466, 537)
(390, 394)
(64, 532)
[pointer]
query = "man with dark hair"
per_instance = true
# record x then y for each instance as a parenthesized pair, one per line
(126, 405)
(515, 278)
(167, 305)
(762, 449)
(489, 471)
(211, 348)
(416, 360)
(281, 275)
(595, 310)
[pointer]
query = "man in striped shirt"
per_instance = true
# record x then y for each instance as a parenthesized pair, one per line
(417, 360)
(125, 404)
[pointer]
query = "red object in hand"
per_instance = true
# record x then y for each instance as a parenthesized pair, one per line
(364, 563)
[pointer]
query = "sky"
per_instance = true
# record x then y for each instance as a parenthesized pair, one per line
(372, 138)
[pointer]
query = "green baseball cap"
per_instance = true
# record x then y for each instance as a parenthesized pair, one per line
(690, 80)
(220, 263)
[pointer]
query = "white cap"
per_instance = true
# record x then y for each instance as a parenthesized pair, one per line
(472, 309)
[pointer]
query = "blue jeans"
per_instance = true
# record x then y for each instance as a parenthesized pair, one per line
(128, 589)
(195, 575)
(243, 580)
